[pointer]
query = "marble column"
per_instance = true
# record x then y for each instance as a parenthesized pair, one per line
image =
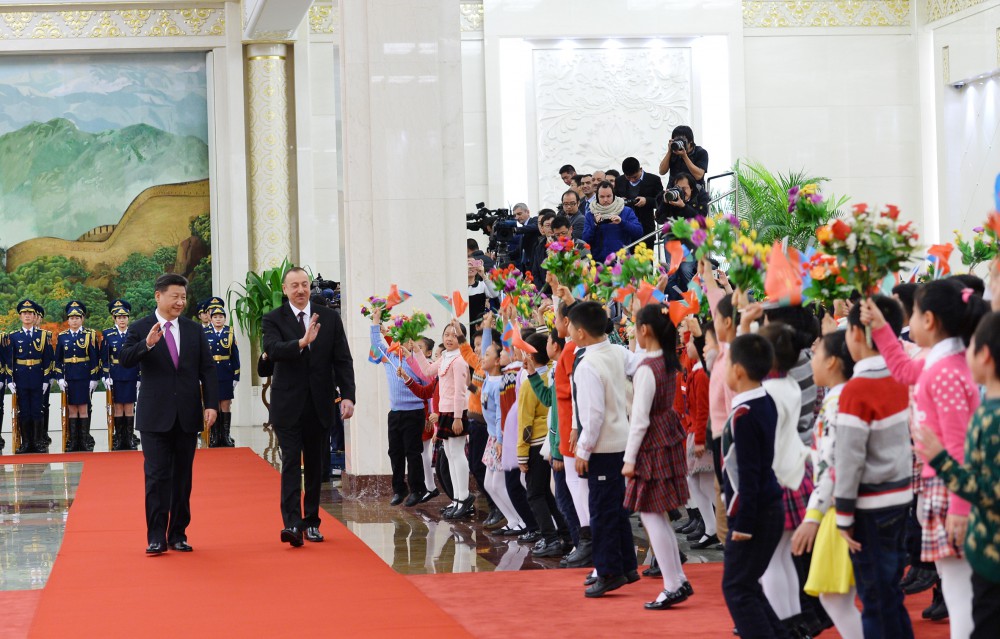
(270, 211)
(404, 185)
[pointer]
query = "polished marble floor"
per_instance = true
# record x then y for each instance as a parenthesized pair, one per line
(34, 505)
(411, 540)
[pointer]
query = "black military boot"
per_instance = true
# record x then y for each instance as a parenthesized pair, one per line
(118, 424)
(131, 440)
(70, 435)
(41, 437)
(227, 424)
(86, 443)
(27, 428)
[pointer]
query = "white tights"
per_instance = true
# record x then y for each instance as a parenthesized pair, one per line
(664, 543)
(496, 486)
(702, 487)
(428, 456)
(458, 466)
(844, 613)
(956, 586)
(579, 490)
(781, 582)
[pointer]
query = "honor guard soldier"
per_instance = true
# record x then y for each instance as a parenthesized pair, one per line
(122, 382)
(31, 364)
(39, 319)
(4, 376)
(203, 316)
(226, 354)
(78, 369)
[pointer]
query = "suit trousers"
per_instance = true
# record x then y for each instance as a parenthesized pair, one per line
(543, 503)
(169, 458)
(564, 502)
(303, 445)
(610, 528)
(406, 448)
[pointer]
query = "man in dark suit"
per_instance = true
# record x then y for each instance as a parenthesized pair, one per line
(178, 379)
(639, 190)
(309, 350)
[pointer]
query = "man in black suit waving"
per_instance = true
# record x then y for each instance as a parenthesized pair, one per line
(178, 379)
(311, 358)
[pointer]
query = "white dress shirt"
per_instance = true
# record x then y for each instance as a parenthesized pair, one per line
(173, 330)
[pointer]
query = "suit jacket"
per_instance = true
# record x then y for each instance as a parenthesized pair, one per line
(169, 394)
(316, 371)
(649, 187)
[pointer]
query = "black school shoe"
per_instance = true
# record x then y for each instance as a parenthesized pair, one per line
(670, 599)
(603, 586)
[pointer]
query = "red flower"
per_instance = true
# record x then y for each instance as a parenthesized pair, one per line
(860, 208)
(993, 222)
(840, 230)
(891, 211)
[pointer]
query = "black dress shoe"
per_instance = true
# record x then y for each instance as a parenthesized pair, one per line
(918, 580)
(157, 548)
(292, 536)
(463, 509)
(181, 546)
(397, 499)
(603, 586)
(590, 580)
(698, 532)
(548, 549)
(313, 534)
(632, 577)
(653, 570)
(414, 499)
(706, 541)
(686, 589)
(430, 495)
(670, 599)
(530, 537)
(511, 532)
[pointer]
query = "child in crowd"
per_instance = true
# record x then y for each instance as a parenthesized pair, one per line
(429, 394)
(532, 419)
(477, 423)
(700, 465)
(977, 480)
(831, 576)
(753, 496)
(547, 395)
(599, 410)
(943, 320)
(781, 580)
(453, 376)
(655, 460)
(492, 362)
(872, 468)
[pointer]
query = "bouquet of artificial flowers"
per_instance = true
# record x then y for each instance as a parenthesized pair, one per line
(376, 305)
(405, 328)
(981, 248)
(567, 262)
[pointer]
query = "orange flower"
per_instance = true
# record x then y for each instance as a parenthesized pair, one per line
(818, 272)
(993, 222)
(823, 234)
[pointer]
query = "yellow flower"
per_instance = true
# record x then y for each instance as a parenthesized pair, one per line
(710, 223)
(809, 189)
(745, 224)
(694, 225)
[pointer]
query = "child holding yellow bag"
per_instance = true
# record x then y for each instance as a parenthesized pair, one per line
(831, 576)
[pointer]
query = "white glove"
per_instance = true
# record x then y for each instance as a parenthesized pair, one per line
(137, 385)
(235, 384)
(13, 388)
(62, 384)
(108, 382)
(93, 386)
(45, 387)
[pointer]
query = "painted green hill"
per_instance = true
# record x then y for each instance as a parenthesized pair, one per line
(59, 181)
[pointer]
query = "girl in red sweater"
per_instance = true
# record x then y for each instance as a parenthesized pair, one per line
(701, 469)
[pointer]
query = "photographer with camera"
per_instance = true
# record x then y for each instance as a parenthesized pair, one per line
(475, 253)
(639, 191)
(684, 156)
(571, 209)
(610, 225)
(684, 200)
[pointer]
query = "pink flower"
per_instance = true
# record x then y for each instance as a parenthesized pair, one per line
(616, 269)
(815, 198)
(610, 258)
(509, 285)
(978, 229)
(698, 237)
(667, 228)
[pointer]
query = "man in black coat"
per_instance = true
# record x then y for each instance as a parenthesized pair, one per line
(640, 190)
(178, 380)
(309, 350)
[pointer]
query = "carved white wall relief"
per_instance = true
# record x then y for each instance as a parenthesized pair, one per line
(595, 107)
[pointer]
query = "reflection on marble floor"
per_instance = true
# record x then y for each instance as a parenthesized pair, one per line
(34, 506)
(417, 541)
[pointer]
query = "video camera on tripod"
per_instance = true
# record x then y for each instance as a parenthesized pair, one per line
(499, 225)
(325, 292)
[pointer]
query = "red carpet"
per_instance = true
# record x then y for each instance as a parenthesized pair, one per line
(547, 603)
(239, 582)
(18, 608)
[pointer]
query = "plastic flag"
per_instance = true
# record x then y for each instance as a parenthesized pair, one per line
(375, 356)
(396, 297)
(889, 282)
(942, 252)
(783, 280)
(520, 344)
(676, 252)
(687, 305)
(459, 305)
(445, 302)
(647, 293)
(622, 294)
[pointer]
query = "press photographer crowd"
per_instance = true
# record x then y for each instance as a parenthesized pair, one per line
(824, 414)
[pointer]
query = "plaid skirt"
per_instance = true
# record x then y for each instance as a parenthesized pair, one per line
(932, 509)
(445, 423)
(660, 482)
(796, 501)
(490, 457)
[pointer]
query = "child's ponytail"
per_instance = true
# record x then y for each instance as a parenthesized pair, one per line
(957, 308)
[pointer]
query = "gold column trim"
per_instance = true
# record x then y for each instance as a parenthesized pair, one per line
(266, 57)
(778, 14)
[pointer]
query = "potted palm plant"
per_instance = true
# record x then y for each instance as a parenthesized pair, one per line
(250, 301)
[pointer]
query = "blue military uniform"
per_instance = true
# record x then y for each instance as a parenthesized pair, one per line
(124, 384)
(77, 365)
(4, 376)
(31, 363)
(226, 354)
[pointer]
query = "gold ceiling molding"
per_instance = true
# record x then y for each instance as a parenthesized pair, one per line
(937, 9)
(323, 19)
(472, 16)
(118, 23)
(777, 14)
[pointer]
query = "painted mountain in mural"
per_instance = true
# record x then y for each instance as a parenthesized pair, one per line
(59, 181)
